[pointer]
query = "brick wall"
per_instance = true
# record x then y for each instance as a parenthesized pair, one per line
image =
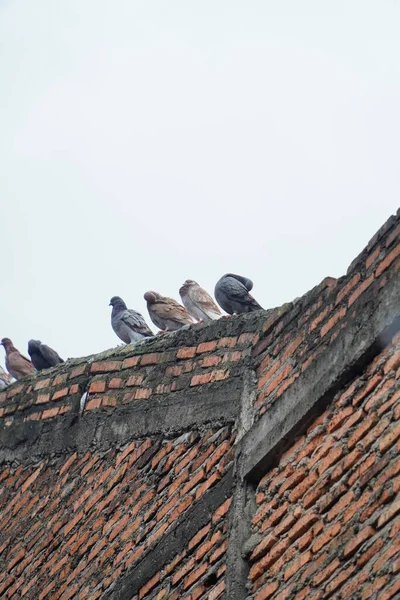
(252, 458)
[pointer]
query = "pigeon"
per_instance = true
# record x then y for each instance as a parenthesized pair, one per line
(128, 324)
(198, 302)
(5, 379)
(17, 365)
(232, 294)
(166, 313)
(42, 356)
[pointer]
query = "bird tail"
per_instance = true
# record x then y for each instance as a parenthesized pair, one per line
(254, 305)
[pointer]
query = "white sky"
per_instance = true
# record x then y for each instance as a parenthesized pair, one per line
(147, 142)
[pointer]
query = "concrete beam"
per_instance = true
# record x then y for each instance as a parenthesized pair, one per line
(376, 319)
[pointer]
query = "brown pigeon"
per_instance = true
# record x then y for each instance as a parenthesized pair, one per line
(5, 379)
(198, 302)
(17, 365)
(166, 313)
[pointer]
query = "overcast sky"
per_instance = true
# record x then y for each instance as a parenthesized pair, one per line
(147, 142)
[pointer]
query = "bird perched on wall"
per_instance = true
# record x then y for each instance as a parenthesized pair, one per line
(16, 364)
(42, 356)
(128, 324)
(166, 313)
(232, 294)
(198, 302)
(5, 379)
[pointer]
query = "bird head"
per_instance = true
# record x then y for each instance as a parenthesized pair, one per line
(7, 343)
(116, 300)
(33, 345)
(151, 297)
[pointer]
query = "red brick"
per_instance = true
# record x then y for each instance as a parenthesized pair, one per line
(227, 342)
(370, 552)
(151, 359)
(389, 513)
(206, 347)
(232, 356)
(352, 546)
(115, 383)
(333, 456)
(93, 403)
(60, 394)
(362, 430)
(325, 537)
(199, 536)
(267, 591)
(143, 393)
(207, 484)
(210, 361)
(149, 585)
(332, 321)
(275, 517)
(42, 398)
(44, 383)
(195, 575)
(78, 371)
(216, 592)
(297, 564)
(327, 572)
(221, 510)
(346, 288)
(337, 419)
(97, 386)
(360, 290)
(386, 262)
(319, 318)
(134, 380)
(105, 366)
(186, 352)
(267, 561)
(302, 525)
(340, 505)
(263, 547)
(391, 591)
(51, 412)
(130, 362)
(277, 380)
(389, 439)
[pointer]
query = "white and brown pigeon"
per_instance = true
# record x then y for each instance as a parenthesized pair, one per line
(42, 356)
(16, 364)
(166, 313)
(5, 379)
(232, 294)
(198, 302)
(128, 324)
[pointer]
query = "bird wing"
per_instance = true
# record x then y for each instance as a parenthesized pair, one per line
(50, 355)
(168, 308)
(135, 321)
(19, 361)
(203, 299)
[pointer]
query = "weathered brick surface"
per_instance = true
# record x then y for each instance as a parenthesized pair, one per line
(75, 521)
(324, 312)
(86, 523)
(345, 521)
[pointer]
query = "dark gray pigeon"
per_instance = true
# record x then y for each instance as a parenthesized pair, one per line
(232, 294)
(42, 356)
(128, 324)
